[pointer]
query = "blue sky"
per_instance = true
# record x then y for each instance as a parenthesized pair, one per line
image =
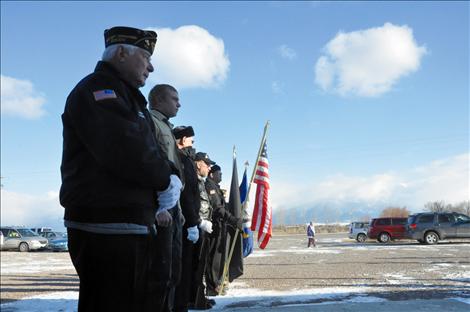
(368, 101)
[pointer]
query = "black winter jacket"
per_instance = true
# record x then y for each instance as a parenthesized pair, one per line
(111, 164)
(189, 199)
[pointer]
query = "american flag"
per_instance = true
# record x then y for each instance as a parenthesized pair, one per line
(262, 213)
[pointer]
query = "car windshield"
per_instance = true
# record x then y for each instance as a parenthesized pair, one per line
(27, 233)
(462, 218)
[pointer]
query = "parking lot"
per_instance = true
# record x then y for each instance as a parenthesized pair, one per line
(286, 273)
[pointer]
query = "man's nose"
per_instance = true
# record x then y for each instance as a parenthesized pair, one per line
(150, 67)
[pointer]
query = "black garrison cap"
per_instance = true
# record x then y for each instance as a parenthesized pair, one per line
(183, 131)
(205, 158)
(215, 168)
(144, 39)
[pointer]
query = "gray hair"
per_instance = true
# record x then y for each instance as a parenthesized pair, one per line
(110, 51)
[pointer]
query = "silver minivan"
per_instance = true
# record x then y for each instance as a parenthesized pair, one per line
(358, 231)
(21, 239)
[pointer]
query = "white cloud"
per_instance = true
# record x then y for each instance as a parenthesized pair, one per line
(30, 210)
(287, 52)
(19, 98)
(277, 87)
(368, 62)
(446, 179)
(189, 57)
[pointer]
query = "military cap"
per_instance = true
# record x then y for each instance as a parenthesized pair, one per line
(215, 168)
(205, 158)
(183, 131)
(144, 39)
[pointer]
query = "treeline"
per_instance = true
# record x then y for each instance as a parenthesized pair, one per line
(436, 206)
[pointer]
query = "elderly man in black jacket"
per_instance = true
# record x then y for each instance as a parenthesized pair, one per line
(114, 177)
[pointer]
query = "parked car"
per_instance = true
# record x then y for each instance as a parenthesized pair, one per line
(358, 231)
(22, 239)
(39, 230)
(60, 244)
(429, 227)
(57, 240)
(54, 235)
(386, 229)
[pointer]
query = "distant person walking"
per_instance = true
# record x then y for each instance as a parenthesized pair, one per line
(311, 235)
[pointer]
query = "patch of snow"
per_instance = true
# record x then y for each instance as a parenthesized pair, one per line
(238, 293)
(464, 300)
(58, 301)
(35, 263)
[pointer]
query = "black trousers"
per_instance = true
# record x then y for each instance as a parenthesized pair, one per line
(165, 267)
(216, 257)
(183, 290)
(198, 289)
(113, 270)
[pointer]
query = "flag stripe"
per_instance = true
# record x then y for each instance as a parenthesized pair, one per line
(262, 173)
(262, 213)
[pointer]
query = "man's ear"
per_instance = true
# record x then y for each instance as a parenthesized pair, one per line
(121, 54)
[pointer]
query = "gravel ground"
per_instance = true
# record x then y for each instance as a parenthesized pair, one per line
(401, 270)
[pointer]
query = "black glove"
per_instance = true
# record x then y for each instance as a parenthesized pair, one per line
(236, 223)
(240, 224)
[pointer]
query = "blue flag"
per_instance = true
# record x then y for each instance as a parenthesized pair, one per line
(247, 233)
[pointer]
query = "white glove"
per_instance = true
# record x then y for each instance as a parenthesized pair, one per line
(193, 234)
(167, 199)
(206, 226)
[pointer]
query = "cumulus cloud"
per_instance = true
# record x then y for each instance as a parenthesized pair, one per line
(368, 62)
(31, 210)
(277, 87)
(19, 98)
(446, 179)
(189, 57)
(287, 52)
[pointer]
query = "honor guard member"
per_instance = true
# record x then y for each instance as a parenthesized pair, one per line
(221, 218)
(114, 176)
(166, 268)
(190, 205)
(203, 165)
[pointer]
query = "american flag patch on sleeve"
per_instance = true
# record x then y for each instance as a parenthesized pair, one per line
(104, 94)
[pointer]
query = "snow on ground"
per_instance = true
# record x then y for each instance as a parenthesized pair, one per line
(265, 298)
(34, 263)
(294, 250)
(464, 300)
(397, 279)
(54, 302)
(67, 301)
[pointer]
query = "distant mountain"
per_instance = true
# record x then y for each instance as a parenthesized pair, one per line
(329, 212)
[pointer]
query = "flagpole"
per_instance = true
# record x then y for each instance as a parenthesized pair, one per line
(227, 262)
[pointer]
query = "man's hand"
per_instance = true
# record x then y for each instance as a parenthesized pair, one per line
(206, 226)
(163, 218)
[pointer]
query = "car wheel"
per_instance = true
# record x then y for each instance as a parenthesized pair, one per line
(24, 247)
(431, 238)
(361, 238)
(384, 238)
